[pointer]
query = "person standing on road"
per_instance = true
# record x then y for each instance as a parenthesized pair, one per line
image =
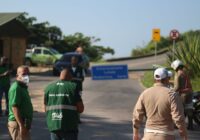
(62, 104)
(20, 107)
(85, 64)
(4, 83)
(183, 86)
(77, 76)
(77, 73)
(162, 108)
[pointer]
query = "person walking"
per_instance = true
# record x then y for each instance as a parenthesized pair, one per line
(4, 83)
(162, 108)
(62, 104)
(20, 107)
(183, 86)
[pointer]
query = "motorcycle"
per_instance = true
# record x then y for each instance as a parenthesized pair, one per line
(196, 107)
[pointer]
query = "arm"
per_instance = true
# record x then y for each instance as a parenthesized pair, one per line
(19, 120)
(136, 134)
(138, 114)
(186, 90)
(44, 104)
(17, 115)
(177, 83)
(80, 107)
(177, 113)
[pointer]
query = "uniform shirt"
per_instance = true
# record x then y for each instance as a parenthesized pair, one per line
(4, 80)
(18, 96)
(180, 81)
(77, 72)
(161, 107)
(61, 98)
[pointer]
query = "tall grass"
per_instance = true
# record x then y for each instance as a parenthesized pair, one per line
(188, 51)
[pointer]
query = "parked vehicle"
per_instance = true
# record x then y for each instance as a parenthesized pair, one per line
(196, 106)
(64, 62)
(41, 55)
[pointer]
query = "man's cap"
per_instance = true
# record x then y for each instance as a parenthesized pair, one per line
(160, 73)
(175, 64)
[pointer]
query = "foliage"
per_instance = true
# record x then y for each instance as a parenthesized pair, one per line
(150, 47)
(147, 80)
(42, 34)
(95, 52)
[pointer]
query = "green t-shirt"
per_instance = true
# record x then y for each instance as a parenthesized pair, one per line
(4, 80)
(18, 96)
(60, 96)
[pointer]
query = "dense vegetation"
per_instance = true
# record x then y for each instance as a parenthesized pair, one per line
(43, 34)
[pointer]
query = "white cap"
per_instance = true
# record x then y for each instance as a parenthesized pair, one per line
(169, 73)
(175, 64)
(160, 73)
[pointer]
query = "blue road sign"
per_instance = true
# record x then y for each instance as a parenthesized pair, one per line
(110, 72)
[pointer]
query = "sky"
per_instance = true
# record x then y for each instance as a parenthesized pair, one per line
(120, 24)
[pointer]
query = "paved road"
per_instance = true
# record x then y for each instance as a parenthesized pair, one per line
(108, 109)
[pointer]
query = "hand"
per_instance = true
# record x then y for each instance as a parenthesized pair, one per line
(184, 138)
(136, 137)
(23, 131)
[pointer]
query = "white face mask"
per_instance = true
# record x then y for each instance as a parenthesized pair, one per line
(25, 79)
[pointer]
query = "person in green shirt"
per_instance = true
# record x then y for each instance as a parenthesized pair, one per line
(62, 104)
(4, 83)
(20, 106)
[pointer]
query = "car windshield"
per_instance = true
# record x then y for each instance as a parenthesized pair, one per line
(54, 51)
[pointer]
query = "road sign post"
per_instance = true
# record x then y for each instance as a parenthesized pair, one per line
(174, 35)
(156, 38)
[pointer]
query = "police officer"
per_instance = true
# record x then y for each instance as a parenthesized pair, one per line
(77, 73)
(85, 64)
(161, 107)
(183, 86)
(62, 104)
